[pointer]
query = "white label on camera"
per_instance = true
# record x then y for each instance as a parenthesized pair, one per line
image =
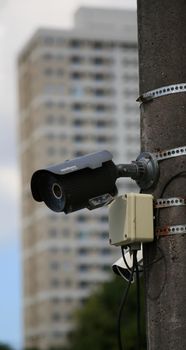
(69, 169)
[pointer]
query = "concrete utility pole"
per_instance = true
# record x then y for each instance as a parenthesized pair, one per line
(162, 62)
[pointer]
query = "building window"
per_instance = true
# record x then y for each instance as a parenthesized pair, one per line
(101, 139)
(106, 268)
(100, 108)
(79, 138)
(48, 40)
(105, 251)
(76, 59)
(56, 316)
(81, 234)
(77, 106)
(104, 235)
(67, 282)
(78, 154)
(55, 300)
(47, 56)
(98, 60)
(48, 71)
(82, 251)
(99, 92)
(81, 218)
(59, 41)
(98, 76)
(49, 104)
(78, 122)
(75, 43)
(83, 284)
(54, 265)
(98, 45)
(77, 91)
(82, 268)
(104, 218)
(54, 250)
(55, 282)
(76, 75)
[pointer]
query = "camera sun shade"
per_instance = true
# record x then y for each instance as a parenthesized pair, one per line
(84, 182)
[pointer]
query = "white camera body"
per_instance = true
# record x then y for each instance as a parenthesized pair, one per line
(120, 268)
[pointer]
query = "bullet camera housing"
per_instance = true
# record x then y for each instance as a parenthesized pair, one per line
(89, 181)
(84, 182)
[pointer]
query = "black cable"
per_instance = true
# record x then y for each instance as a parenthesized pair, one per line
(138, 302)
(125, 261)
(143, 267)
(181, 173)
(123, 302)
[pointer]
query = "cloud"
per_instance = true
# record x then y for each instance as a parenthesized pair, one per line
(3, 3)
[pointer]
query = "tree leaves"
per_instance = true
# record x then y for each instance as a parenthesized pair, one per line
(96, 321)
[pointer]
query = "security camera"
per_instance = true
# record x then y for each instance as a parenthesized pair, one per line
(84, 182)
(123, 268)
(89, 181)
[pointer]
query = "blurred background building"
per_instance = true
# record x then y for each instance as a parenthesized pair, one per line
(77, 92)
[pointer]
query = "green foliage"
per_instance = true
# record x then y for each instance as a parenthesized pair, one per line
(97, 321)
(5, 347)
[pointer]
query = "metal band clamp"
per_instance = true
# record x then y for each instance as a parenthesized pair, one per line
(163, 91)
(170, 230)
(174, 152)
(169, 202)
(173, 201)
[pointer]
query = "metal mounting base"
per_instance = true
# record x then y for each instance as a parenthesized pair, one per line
(151, 174)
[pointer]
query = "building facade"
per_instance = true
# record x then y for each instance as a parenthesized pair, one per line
(77, 93)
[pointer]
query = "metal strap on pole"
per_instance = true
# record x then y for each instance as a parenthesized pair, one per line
(169, 202)
(171, 153)
(162, 91)
(170, 230)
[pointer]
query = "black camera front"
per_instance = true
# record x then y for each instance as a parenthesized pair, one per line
(48, 188)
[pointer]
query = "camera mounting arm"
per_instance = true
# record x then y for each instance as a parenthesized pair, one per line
(145, 170)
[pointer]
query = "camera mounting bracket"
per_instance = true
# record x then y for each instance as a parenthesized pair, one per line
(145, 170)
(151, 173)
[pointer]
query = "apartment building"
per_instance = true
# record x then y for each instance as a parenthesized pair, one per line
(77, 93)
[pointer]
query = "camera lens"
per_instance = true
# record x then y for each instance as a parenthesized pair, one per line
(57, 191)
(52, 192)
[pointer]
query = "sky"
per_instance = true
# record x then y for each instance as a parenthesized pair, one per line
(19, 19)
